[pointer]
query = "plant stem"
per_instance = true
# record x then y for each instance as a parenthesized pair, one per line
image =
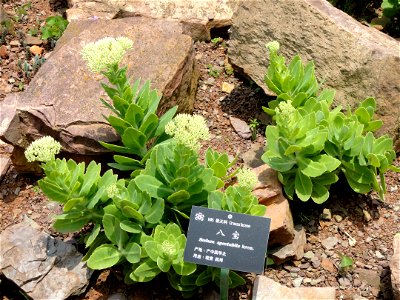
(224, 284)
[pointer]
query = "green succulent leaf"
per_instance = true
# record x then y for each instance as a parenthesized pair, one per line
(104, 257)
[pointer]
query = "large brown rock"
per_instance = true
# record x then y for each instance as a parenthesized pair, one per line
(395, 267)
(63, 98)
(267, 289)
(356, 60)
(198, 18)
(269, 192)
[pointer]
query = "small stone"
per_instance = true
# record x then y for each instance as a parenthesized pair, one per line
(36, 50)
(297, 282)
(329, 243)
(338, 218)
(379, 255)
(370, 277)
(327, 265)
(241, 127)
(309, 255)
(227, 87)
(305, 266)
(367, 215)
(307, 280)
(316, 263)
(33, 40)
(117, 296)
(3, 52)
(14, 43)
(356, 282)
(17, 190)
(326, 214)
(295, 270)
(210, 81)
(344, 281)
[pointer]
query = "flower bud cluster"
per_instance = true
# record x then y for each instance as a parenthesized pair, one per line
(105, 52)
(43, 149)
(247, 179)
(188, 130)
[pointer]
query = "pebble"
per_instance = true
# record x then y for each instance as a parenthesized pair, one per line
(309, 255)
(326, 214)
(356, 282)
(14, 43)
(297, 282)
(367, 215)
(343, 281)
(379, 255)
(329, 243)
(316, 263)
(17, 190)
(338, 218)
(305, 266)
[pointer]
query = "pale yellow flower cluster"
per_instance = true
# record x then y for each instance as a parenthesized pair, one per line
(43, 149)
(188, 130)
(273, 46)
(247, 179)
(105, 52)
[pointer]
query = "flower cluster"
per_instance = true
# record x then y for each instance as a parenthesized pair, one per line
(273, 46)
(43, 149)
(247, 179)
(188, 130)
(285, 112)
(105, 52)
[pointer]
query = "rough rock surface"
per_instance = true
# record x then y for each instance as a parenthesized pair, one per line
(198, 18)
(356, 60)
(44, 267)
(267, 289)
(269, 192)
(241, 127)
(294, 250)
(395, 267)
(63, 98)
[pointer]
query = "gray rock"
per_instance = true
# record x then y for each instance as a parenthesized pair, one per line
(252, 158)
(294, 250)
(329, 243)
(370, 277)
(309, 255)
(197, 18)
(33, 40)
(241, 127)
(395, 267)
(44, 267)
(63, 98)
(267, 289)
(297, 282)
(356, 60)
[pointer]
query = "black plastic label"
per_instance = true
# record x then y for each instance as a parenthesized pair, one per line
(228, 240)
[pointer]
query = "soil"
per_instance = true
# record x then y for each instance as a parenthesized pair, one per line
(360, 218)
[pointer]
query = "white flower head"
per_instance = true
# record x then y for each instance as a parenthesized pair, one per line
(247, 179)
(105, 52)
(273, 46)
(188, 130)
(285, 109)
(43, 149)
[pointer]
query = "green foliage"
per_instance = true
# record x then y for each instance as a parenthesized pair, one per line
(254, 124)
(346, 264)
(311, 143)
(140, 221)
(134, 119)
(22, 11)
(390, 8)
(212, 71)
(29, 68)
(54, 28)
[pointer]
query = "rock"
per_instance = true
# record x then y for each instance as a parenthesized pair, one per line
(117, 296)
(315, 262)
(3, 51)
(33, 40)
(329, 243)
(36, 50)
(297, 282)
(269, 192)
(44, 267)
(327, 265)
(252, 158)
(356, 60)
(309, 255)
(326, 214)
(3, 16)
(344, 281)
(370, 277)
(241, 127)
(227, 87)
(63, 98)
(338, 218)
(267, 289)
(14, 43)
(395, 267)
(5, 163)
(294, 250)
(197, 18)
(367, 215)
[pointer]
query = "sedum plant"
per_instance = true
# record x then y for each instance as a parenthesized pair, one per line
(139, 220)
(312, 144)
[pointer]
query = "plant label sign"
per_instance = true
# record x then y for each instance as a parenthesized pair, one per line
(227, 240)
